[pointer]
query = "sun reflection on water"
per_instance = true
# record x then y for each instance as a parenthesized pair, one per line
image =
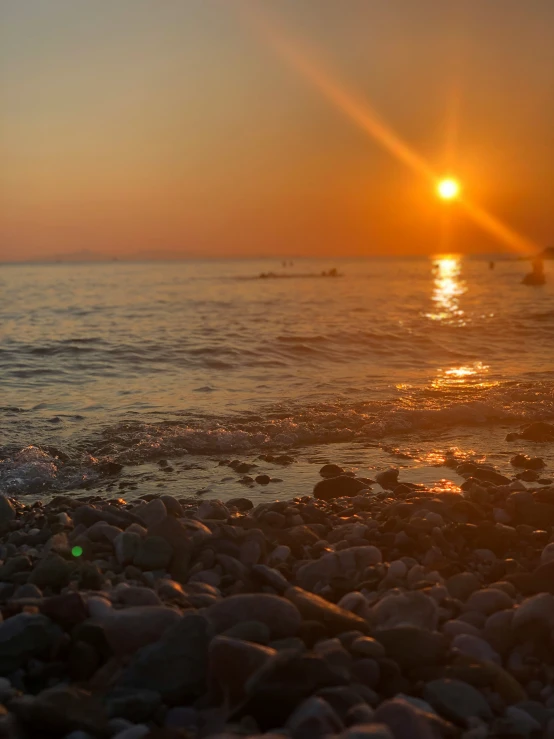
(448, 287)
(474, 375)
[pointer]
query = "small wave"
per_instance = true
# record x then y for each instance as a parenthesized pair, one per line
(35, 470)
(285, 427)
(274, 428)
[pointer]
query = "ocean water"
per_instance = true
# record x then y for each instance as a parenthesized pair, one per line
(409, 363)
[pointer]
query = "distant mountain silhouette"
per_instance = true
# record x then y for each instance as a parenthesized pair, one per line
(84, 255)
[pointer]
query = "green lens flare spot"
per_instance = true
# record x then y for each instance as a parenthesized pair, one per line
(77, 551)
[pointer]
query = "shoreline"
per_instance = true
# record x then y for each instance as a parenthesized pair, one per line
(370, 606)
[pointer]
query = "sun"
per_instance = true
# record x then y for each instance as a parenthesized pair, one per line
(448, 189)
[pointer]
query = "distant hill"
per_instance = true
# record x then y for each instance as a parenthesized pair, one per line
(84, 255)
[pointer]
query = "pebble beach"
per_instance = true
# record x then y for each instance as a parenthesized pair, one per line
(371, 608)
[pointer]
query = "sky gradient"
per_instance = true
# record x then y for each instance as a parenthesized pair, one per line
(175, 127)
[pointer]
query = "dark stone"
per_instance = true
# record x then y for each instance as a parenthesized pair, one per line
(83, 661)
(527, 463)
(137, 706)
(88, 515)
(52, 572)
(181, 543)
(280, 615)
(109, 468)
(457, 701)
(231, 663)
(175, 666)
(484, 474)
(334, 619)
(342, 698)
(338, 487)
(24, 636)
(263, 479)
(411, 646)
(14, 565)
(7, 514)
(61, 710)
(241, 504)
(252, 631)
(313, 718)
(273, 519)
(406, 721)
(93, 634)
(331, 470)
(90, 577)
(172, 505)
(311, 632)
(243, 467)
(67, 610)
(388, 479)
(538, 431)
(278, 687)
(536, 514)
(153, 553)
(270, 576)
(545, 574)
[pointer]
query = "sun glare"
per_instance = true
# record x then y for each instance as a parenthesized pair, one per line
(448, 189)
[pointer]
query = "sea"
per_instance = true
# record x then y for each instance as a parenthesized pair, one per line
(123, 379)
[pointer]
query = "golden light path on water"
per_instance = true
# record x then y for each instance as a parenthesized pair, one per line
(369, 121)
(448, 287)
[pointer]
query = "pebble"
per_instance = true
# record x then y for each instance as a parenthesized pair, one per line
(278, 614)
(175, 666)
(519, 723)
(133, 732)
(331, 470)
(488, 601)
(406, 608)
(367, 731)
(461, 586)
(313, 718)
(132, 628)
(457, 701)
(411, 646)
(474, 646)
(7, 514)
(388, 479)
(334, 618)
(231, 662)
(338, 487)
(153, 553)
(153, 512)
(406, 721)
(345, 563)
(177, 608)
(366, 646)
(23, 636)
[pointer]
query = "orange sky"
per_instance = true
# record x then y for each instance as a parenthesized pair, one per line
(176, 127)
